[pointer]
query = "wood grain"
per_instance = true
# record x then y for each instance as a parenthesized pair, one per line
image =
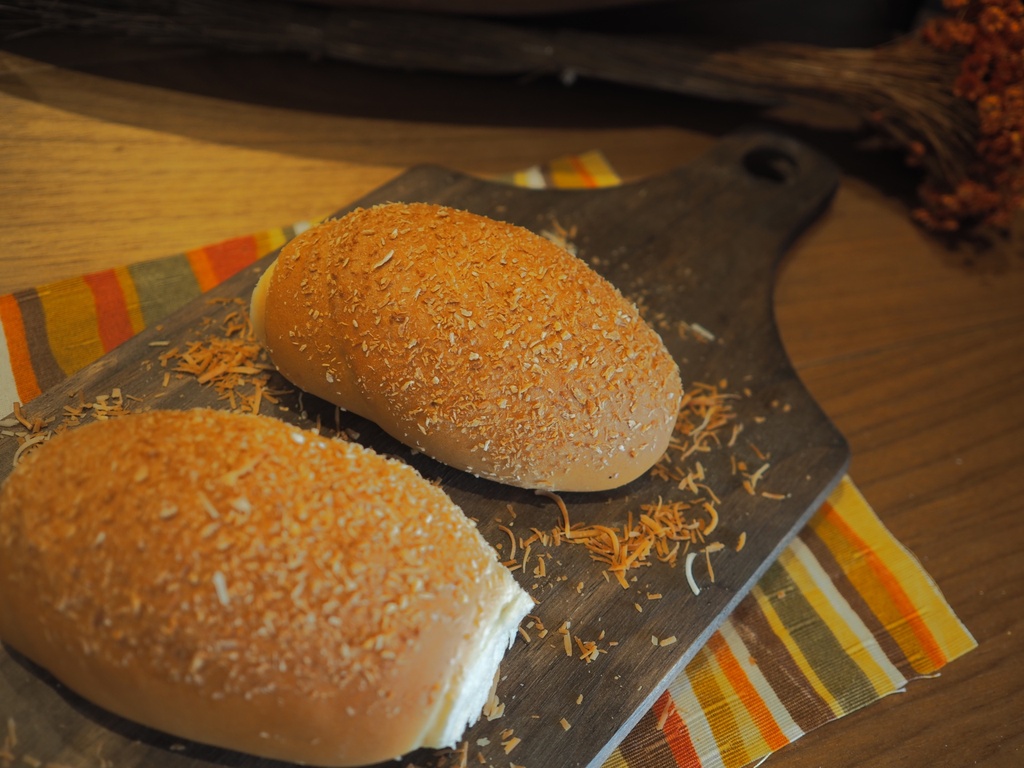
(72, 139)
(912, 348)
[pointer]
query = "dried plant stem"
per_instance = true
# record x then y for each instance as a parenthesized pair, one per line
(904, 90)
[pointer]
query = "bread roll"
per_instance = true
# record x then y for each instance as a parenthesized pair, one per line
(242, 583)
(477, 342)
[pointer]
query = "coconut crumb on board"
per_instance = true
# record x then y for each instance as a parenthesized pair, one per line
(685, 517)
(7, 755)
(11, 757)
(230, 359)
(660, 531)
(562, 237)
(33, 432)
(494, 708)
(589, 650)
(666, 713)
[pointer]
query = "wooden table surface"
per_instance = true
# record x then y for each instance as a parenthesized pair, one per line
(111, 153)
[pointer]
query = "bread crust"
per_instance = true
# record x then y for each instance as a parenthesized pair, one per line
(242, 583)
(477, 342)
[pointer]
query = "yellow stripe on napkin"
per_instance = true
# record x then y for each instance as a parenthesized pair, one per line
(845, 616)
(71, 316)
(891, 581)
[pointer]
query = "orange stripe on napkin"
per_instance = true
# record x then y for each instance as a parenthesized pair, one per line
(586, 177)
(595, 168)
(749, 697)
(206, 275)
(17, 351)
(722, 720)
(675, 731)
(571, 173)
(214, 264)
(881, 590)
(113, 323)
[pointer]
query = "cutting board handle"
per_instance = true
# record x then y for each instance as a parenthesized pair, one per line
(779, 184)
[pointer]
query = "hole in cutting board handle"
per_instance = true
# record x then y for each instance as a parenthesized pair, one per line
(770, 164)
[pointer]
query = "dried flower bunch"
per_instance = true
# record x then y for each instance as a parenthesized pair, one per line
(988, 38)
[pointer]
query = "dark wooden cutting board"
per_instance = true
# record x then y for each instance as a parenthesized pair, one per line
(697, 248)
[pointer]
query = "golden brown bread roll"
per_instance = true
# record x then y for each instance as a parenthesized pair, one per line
(478, 342)
(239, 582)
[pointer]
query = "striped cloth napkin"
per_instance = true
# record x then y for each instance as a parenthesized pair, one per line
(843, 618)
